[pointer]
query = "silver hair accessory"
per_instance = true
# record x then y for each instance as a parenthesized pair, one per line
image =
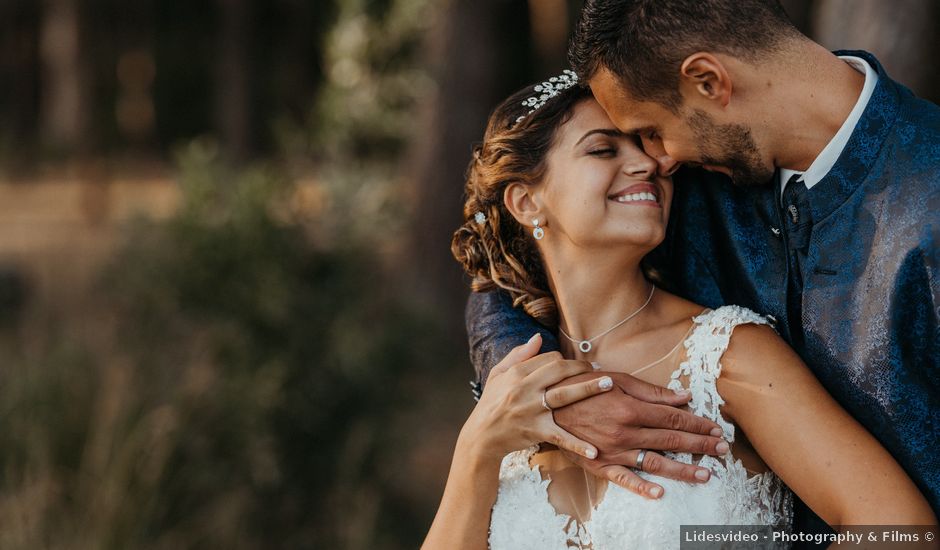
(480, 218)
(549, 89)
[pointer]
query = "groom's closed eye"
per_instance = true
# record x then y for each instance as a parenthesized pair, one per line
(646, 133)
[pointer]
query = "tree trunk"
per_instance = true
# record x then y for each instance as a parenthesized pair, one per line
(550, 27)
(20, 24)
(64, 104)
(231, 79)
(479, 54)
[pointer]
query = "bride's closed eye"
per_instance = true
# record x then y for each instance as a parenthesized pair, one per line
(603, 152)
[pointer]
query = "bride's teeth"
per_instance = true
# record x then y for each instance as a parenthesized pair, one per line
(645, 196)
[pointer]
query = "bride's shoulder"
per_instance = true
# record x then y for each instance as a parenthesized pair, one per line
(717, 319)
(731, 316)
(733, 334)
(752, 339)
(737, 331)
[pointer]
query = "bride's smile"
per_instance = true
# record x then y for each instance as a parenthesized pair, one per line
(640, 194)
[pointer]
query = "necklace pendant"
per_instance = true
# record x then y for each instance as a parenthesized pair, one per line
(584, 346)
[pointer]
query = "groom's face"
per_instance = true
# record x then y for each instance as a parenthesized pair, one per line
(690, 136)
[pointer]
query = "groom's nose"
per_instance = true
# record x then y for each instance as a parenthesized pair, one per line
(667, 164)
(655, 149)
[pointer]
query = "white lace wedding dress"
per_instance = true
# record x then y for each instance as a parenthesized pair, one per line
(524, 518)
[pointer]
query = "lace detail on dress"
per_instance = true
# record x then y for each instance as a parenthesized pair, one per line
(705, 347)
(523, 518)
(523, 494)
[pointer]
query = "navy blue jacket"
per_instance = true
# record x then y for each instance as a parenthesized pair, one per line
(860, 303)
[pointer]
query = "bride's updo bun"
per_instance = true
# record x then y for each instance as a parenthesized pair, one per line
(493, 248)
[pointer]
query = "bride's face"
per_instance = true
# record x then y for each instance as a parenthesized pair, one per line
(600, 188)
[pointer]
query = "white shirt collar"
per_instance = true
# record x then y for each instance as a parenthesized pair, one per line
(830, 154)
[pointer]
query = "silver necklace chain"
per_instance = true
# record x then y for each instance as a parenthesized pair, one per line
(585, 345)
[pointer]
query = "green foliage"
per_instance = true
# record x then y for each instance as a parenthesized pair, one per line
(375, 80)
(239, 394)
(365, 116)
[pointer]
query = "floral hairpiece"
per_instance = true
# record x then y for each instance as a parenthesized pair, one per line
(480, 218)
(549, 89)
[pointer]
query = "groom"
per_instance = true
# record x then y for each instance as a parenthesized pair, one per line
(819, 204)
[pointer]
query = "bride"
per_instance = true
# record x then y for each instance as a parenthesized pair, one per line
(561, 208)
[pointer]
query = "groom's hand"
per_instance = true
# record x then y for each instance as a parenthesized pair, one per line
(634, 416)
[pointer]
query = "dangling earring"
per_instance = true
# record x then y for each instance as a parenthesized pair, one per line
(538, 232)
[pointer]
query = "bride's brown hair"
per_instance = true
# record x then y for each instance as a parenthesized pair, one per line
(499, 252)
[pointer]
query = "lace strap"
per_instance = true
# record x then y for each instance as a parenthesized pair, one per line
(702, 366)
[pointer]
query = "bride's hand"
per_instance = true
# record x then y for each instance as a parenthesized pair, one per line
(511, 415)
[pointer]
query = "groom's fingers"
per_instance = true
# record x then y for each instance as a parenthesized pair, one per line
(621, 475)
(655, 463)
(564, 440)
(632, 482)
(671, 440)
(671, 418)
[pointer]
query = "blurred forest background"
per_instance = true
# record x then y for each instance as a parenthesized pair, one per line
(228, 313)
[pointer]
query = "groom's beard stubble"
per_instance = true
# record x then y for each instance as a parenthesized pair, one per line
(736, 147)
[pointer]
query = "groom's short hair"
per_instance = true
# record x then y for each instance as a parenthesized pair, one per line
(644, 42)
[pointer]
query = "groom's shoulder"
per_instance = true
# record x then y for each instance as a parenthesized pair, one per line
(912, 146)
(893, 100)
(918, 120)
(923, 117)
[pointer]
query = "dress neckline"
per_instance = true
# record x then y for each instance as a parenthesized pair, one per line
(683, 340)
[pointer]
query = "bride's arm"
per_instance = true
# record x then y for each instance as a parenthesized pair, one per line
(826, 457)
(510, 416)
(462, 520)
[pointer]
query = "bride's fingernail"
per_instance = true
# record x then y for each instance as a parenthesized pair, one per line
(590, 453)
(597, 366)
(682, 393)
(702, 475)
(722, 447)
(534, 336)
(605, 383)
(716, 432)
(655, 492)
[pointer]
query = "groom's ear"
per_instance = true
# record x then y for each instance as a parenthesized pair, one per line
(705, 76)
(522, 203)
